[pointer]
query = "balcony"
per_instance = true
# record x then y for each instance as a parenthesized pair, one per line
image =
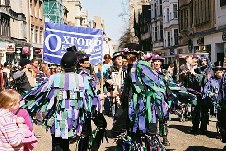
(174, 21)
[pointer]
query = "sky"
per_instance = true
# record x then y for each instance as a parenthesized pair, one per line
(109, 11)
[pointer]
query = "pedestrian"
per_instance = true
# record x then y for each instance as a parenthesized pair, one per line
(12, 131)
(23, 80)
(114, 80)
(34, 67)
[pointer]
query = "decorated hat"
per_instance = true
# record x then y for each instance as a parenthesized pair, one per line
(116, 54)
(69, 59)
(82, 56)
(218, 65)
(132, 48)
(24, 62)
(157, 57)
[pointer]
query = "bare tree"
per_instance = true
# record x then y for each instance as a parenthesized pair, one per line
(125, 38)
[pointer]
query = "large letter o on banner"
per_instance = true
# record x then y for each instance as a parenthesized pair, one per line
(58, 43)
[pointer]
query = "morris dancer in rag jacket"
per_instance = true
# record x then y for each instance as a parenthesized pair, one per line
(63, 100)
(163, 130)
(92, 108)
(220, 78)
(143, 104)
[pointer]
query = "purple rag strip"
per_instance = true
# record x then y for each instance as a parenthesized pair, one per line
(146, 71)
(67, 104)
(69, 122)
(66, 84)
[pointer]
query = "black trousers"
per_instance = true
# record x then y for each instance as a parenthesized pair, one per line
(200, 115)
(59, 144)
(101, 124)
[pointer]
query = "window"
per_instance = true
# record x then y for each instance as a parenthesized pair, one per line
(222, 3)
(161, 32)
(156, 33)
(175, 11)
(4, 2)
(32, 35)
(31, 10)
(25, 30)
(175, 36)
(179, 51)
(36, 36)
(168, 38)
(40, 11)
(40, 37)
(155, 10)
(167, 15)
(160, 3)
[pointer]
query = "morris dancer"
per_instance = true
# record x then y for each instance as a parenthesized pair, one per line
(163, 130)
(143, 103)
(62, 98)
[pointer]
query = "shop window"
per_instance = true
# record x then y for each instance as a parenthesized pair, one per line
(179, 51)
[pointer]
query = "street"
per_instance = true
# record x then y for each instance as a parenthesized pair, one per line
(180, 139)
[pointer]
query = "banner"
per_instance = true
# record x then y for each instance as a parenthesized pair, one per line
(58, 37)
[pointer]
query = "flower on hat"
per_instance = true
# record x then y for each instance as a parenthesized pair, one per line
(148, 56)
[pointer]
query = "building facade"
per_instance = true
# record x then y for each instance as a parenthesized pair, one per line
(97, 22)
(157, 25)
(202, 27)
(185, 26)
(215, 38)
(35, 29)
(5, 29)
(135, 8)
(18, 28)
(142, 27)
(53, 10)
(170, 29)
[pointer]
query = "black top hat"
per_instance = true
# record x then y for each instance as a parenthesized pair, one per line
(218, 65)
(116, 54)
(69, 59)
(72, 48)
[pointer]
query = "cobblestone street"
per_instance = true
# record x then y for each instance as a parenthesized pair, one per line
(179, 138)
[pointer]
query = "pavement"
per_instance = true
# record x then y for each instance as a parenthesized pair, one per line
(179, 137)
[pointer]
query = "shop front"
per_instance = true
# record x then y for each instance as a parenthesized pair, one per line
(3, 51)
(10, 53)
(214, 44)
(37, 51)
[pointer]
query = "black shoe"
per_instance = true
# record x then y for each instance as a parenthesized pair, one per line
(203, 132)
(165, 141)
(194, 132)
